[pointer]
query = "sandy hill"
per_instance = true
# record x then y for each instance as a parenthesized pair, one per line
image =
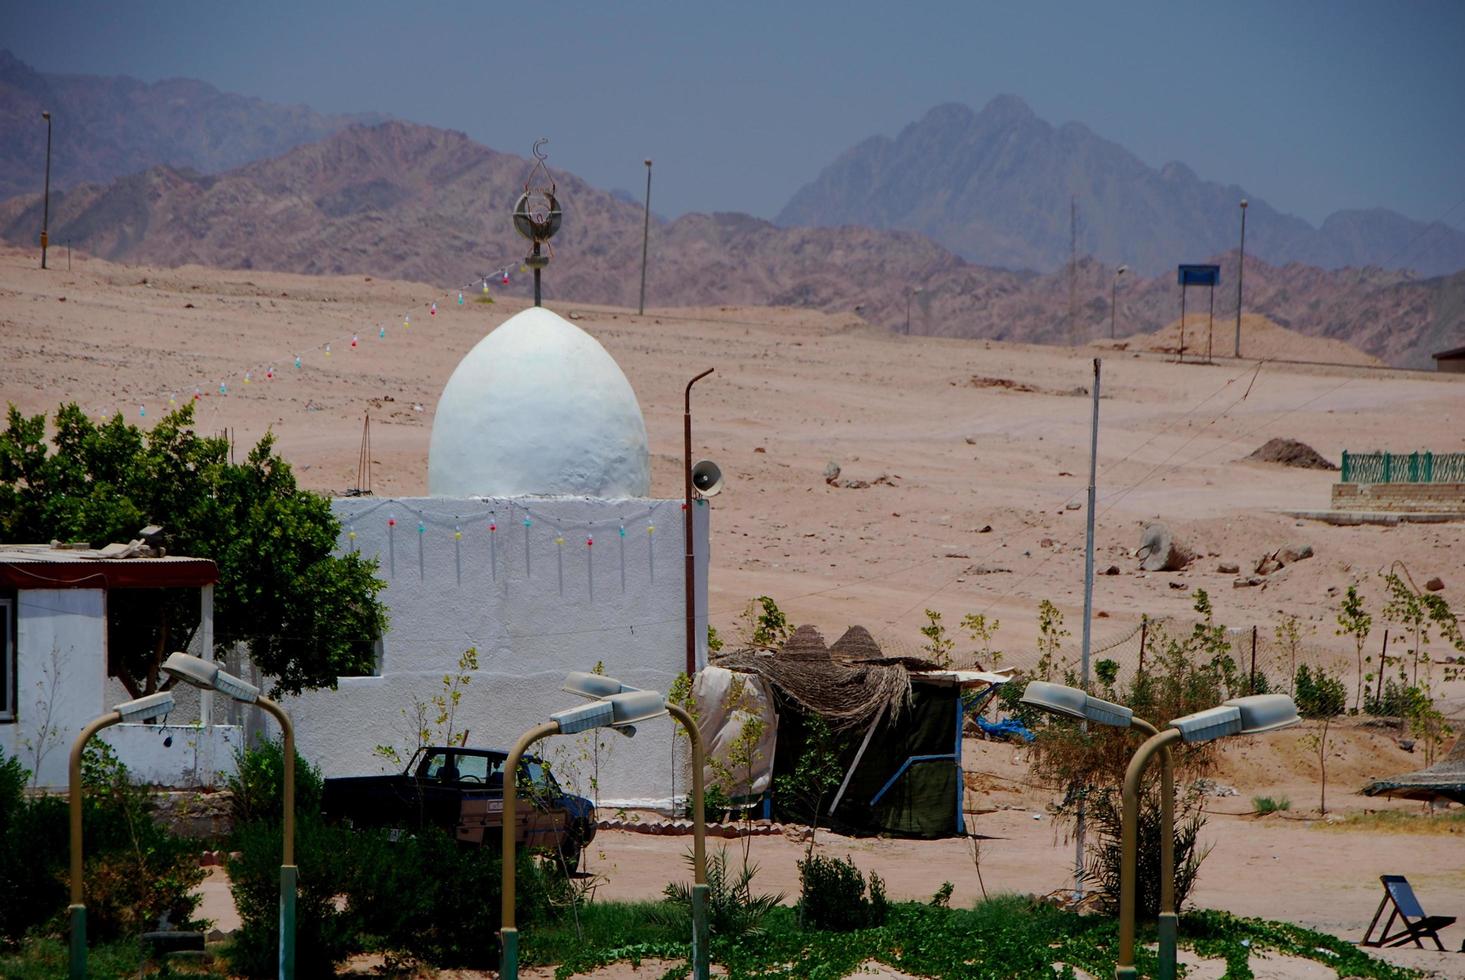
(1260, 339)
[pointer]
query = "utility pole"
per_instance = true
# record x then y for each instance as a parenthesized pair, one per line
(1114, 298)
(645, 236)
(1088, 606)
(1073, 269)
(1240, 270)
(46, 206)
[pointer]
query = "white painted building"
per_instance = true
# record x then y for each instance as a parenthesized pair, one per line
(54, 671)
(541, 548)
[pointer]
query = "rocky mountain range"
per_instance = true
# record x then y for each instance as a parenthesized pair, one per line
(995, 187)
(419, 203)
(107, 127)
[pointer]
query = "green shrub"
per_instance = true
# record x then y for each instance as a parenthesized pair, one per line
(1397, 701)
(258, 783)
(425, 897)
(833, 895)
(1266, 804)
(1318, 695)
(324, 934)
(135, 871)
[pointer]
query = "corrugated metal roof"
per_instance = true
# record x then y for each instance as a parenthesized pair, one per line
(39, 566)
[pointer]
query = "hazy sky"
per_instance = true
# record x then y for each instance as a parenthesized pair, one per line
(1312, 106)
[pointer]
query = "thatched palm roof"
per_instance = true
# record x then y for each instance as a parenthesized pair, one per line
(1445, 779)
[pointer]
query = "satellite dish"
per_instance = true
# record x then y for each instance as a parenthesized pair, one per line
(707, 478)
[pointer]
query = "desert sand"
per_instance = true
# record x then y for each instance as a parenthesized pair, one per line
(961, 447)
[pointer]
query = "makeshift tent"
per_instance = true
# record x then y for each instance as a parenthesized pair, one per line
(1443, 780)
(896, 725)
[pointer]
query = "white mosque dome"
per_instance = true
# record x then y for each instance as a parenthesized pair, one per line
(538, 408)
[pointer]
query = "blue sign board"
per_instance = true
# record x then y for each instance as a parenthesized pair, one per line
(1200, 275)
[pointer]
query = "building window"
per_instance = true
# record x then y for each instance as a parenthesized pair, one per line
(7, 658)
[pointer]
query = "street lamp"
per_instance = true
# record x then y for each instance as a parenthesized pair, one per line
(613, 705)
(1251, 715)
(1240, 270)
(206, 675)
(908, 294)
(693, 484)
(1072, 702)
(141, 709)
(645, 236)
(46, 206)
(1114, 297)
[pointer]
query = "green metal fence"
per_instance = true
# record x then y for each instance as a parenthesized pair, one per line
(1403, 467)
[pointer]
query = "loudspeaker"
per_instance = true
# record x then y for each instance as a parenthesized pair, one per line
(707, 478)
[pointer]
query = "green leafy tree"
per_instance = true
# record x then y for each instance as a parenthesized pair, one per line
(938, 644)
(763, 625)
(982, 630)
(816, 774)
(1355, 622)
(1289, 637)
(307, 615)
(1050, 638)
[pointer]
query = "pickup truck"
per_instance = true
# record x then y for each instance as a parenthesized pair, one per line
(461, 790)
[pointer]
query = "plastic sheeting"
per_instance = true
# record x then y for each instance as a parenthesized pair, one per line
(726, 702)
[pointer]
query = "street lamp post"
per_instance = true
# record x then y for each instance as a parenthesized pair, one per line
(645, 237)
(1240, 271)
(613, 705)
(1114, 298)
(908, 294)
(1251, 715)
(206, 676)
(141, 709)
(689, 500)
(46, 198)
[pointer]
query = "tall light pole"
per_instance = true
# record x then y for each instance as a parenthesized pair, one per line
(908, 294)
(46, 206)
(687, 503)
(645, 236)
(1240, 269)
(1114, 297)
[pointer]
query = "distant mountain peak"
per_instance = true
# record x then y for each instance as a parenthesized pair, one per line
(995, 187)
(1009, 107)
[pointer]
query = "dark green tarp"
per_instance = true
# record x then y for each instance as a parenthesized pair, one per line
(908, 783)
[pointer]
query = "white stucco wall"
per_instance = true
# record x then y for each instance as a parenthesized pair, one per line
(61, 640)
(533, 619)
(178, 756)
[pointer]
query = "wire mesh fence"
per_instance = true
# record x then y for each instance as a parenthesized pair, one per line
(1403, 467)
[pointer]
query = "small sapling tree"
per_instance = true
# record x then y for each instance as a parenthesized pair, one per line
(1355, 622)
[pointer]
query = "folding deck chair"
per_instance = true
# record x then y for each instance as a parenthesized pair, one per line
(1414, 925)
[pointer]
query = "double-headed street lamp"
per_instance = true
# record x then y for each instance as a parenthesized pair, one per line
(206, 675)
(1238, 716)
(613, 705)
(1251, 715)
(1072, 702)
(129, 712)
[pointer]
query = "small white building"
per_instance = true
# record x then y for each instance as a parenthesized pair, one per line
(54, 669)
(541, 548)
